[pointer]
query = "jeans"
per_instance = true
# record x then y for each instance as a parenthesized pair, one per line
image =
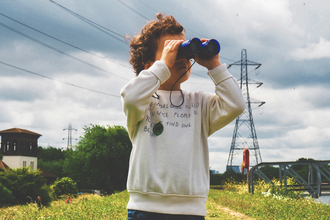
(135, 215)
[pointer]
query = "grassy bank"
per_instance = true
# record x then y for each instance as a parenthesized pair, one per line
(232, 202)
(83, 207)
(268, 202)
(260, 207)
(94, 207)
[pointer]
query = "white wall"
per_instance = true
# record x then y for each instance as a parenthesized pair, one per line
(18, 161)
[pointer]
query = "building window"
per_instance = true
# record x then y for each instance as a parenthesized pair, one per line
(8, 145)
(24, 163)
(30, 145)
(32, 165)
(15, 146)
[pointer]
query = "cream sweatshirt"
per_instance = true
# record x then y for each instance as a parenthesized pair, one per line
(169, 163)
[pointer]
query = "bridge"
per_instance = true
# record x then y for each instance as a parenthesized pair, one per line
(318, 171)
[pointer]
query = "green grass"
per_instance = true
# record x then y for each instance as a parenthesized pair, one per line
(83, 207)
(225, 203)
(268, 202)
(90, 207)
(260, 207)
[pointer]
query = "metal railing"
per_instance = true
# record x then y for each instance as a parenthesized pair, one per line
(313, 184)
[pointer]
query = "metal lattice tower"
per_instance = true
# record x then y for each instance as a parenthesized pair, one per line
(70, 129)
(245, 137)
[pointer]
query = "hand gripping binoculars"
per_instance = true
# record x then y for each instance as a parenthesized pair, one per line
(205, 50)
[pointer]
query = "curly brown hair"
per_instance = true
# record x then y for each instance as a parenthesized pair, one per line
(143, 46)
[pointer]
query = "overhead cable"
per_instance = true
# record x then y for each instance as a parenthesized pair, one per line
(185, 28)
(132, 9)
(92, 23)
(54, 38)
(47, 77)
(59, 51)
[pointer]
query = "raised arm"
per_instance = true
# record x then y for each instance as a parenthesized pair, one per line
(137, 93)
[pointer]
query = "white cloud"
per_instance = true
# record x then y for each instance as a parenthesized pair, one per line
(295, 120)
(312, 51)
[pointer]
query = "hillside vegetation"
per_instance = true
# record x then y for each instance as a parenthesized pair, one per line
(230, 201)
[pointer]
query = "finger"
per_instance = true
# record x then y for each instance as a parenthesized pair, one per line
(178, 43)
(204, 40)
(167, 42)
(173, 45)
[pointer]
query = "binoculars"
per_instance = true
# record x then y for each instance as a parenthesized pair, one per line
(191, 47)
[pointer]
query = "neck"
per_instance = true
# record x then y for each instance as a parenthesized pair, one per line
(176, 87)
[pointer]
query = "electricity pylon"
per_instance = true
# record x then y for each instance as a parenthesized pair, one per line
(70, 129)
(245, 138)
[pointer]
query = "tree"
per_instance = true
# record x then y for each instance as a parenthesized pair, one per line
(50, 153)
(231, 175)
(51, 159)
(271, 172)
(100, 159)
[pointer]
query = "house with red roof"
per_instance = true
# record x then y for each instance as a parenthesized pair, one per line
(19, 148)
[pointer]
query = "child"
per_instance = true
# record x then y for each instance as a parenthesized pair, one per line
(169, 166)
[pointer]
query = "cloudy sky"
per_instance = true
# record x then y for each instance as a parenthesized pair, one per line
(65, 61)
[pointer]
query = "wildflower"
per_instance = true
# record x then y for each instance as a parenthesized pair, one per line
(68, 200)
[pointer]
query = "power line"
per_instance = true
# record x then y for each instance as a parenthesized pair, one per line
(147, 5)
(92, 23)
(63, 53)
(185, 28)
(47, 77)
(101, 28)
(57, 50)
(78, 48)
(132, 9)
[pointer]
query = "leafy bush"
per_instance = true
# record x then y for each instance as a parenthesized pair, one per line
(25, 185)
(64, 186)
(6, 196)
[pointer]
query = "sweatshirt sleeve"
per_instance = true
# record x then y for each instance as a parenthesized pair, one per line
(136, 94)
(228, 103)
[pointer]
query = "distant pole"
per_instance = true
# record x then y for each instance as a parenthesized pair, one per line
(245, 138)
(69, 128)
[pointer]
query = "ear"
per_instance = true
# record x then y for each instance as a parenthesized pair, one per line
(148, 64)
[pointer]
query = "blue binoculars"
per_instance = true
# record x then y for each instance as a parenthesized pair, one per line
(205, 50)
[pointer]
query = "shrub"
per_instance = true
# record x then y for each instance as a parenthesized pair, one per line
(45, 193)
(6, 196)
(64, 186)
(24, 184)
